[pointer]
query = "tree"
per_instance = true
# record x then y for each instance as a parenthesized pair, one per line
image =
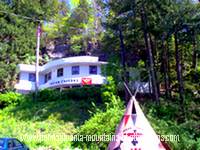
(17, 34)
(150, 54)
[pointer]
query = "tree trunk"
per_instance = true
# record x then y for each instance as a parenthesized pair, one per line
(125, 76)
(149, 50)
(194, 55)
(165, 69)
(97, 24)
(179, 71)
(194, 59)
(155, 56)
(168, 70)
(122, 49)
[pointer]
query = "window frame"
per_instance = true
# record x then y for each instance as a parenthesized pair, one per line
(2, 143)
(31, 77)
(47, 77)
(20, 144)
(60, 72)
(11, 142)
(74, 71)
(91, 71)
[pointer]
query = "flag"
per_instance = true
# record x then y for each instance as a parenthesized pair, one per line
(86, 81)
(134, 131)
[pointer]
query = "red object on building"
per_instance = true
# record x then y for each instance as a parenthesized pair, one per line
(86, 81)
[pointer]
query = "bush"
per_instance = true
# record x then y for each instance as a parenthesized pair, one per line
(10, 98)
(103, 121)
(86, 93)
(49, 95)
(165, 121)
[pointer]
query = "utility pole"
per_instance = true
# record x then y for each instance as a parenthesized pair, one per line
(37, 60)
(38, 34)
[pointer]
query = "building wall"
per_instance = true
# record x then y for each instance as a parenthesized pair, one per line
(74, 79)
(24, 83)
(84, 71)
(41, 79)
(66, 80)
(23, 76)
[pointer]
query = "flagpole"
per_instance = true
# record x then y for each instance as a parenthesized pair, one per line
(37, 60)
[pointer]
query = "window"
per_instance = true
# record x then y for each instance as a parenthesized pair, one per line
(75, 70)
(47, 77)
(31, 77)
(10, 144)
(17, 143)
(1, 143)
(18, 77)
(93, 69)
(60, 72)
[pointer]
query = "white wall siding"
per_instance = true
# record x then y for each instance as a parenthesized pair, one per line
(85, 70)
(98, 69)
(41, 79)
(24, 76)
(67, 80)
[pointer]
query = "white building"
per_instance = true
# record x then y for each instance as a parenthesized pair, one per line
(61, 73)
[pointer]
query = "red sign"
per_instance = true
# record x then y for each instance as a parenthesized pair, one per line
(86, 81)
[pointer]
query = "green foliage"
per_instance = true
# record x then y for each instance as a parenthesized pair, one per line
(18, 34)
(36, 134)
(167, 119)
(113, 69)
(10, 98)
(48, 95)
(110, 86)
(76, 49)
(75, 3)
(102, 122)
(88, 93)
(55, 113)
(45, 123)
(79, 27)
(76, 25)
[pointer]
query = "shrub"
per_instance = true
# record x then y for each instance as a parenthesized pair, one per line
(103, 121)
(49, 95)
(165, 121)
(10, 98)
(86, 93)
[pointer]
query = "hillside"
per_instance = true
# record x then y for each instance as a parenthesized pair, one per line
(42, 124)
(36, 129)
(50, 122)
(46, 122)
